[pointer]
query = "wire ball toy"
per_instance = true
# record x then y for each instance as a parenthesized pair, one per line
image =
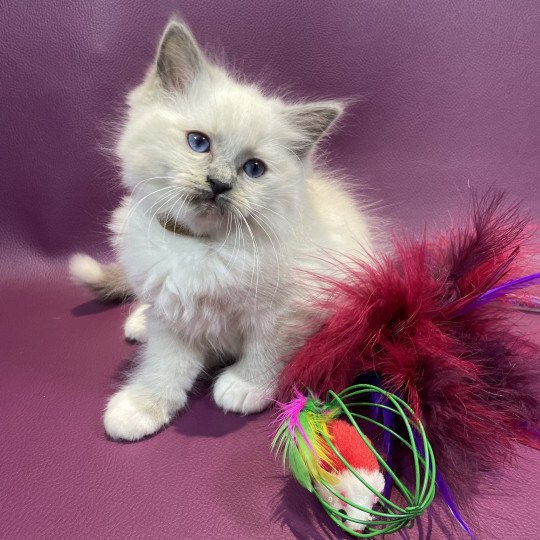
(331, 456)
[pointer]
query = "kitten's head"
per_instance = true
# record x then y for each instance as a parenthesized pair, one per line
(207, 150)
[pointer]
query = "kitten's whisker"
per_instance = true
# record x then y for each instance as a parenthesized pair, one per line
(275, 255)
(164, 232)
(182, 198)
(236, 246)
(241, 241)
(138, 203)
(227, 233)
(257, 264)
(228, 266)
(158, 201)
(166, 199)
(255, 211)
(237, 237)
(145, 180)
(186, 199)
(241, 237)
(281, 216)
(261, 216)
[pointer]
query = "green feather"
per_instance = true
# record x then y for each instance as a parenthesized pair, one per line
(297, 452)
(298, 467)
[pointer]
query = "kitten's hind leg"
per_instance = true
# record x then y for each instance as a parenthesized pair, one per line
(135, 327)
(157, 389)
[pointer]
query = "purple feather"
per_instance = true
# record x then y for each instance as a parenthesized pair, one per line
(499, 291)
(445, 491)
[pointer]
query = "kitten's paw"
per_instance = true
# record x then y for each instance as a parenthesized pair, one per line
(131, 417)
(135, 328)
(236, 394)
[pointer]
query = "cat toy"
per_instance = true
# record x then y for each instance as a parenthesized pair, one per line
(334, 459)
(431, 322)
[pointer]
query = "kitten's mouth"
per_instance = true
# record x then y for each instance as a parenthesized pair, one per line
(207, 204)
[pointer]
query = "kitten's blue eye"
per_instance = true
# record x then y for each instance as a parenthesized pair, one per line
(254, 168)
(198, 142)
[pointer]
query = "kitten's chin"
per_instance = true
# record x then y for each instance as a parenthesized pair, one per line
(207, 217)
(210, 208)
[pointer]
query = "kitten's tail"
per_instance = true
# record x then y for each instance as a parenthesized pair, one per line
(107, 281)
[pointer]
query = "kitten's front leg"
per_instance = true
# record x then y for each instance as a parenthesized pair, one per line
(249, 385)
(157, 388)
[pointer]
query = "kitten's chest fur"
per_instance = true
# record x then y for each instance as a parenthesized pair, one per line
(210, 291)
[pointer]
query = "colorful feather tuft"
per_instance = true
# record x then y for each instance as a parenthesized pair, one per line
(299, 435)
(428, 321)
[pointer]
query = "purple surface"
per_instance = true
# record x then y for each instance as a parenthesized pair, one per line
(450, 102)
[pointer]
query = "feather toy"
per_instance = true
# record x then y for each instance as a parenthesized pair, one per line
(432, 322)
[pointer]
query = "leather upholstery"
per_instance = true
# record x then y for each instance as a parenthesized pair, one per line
(447, 100)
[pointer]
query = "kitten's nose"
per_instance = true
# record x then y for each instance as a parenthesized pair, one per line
(217, 186)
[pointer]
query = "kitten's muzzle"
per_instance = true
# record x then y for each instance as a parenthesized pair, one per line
(207, 201)
(218, 187)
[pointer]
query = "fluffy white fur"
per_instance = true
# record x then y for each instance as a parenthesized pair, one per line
(237, 287)
(351, 488)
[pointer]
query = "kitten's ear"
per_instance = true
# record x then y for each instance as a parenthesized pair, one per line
(312, 121)
(179, 59)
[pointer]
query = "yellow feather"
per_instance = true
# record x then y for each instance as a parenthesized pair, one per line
(320, 463)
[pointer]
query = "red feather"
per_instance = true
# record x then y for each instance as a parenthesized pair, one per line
(471, 380)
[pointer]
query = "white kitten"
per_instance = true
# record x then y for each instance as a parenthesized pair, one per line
(225, 215)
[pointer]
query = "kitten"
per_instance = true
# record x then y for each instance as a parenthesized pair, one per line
(224, 220)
